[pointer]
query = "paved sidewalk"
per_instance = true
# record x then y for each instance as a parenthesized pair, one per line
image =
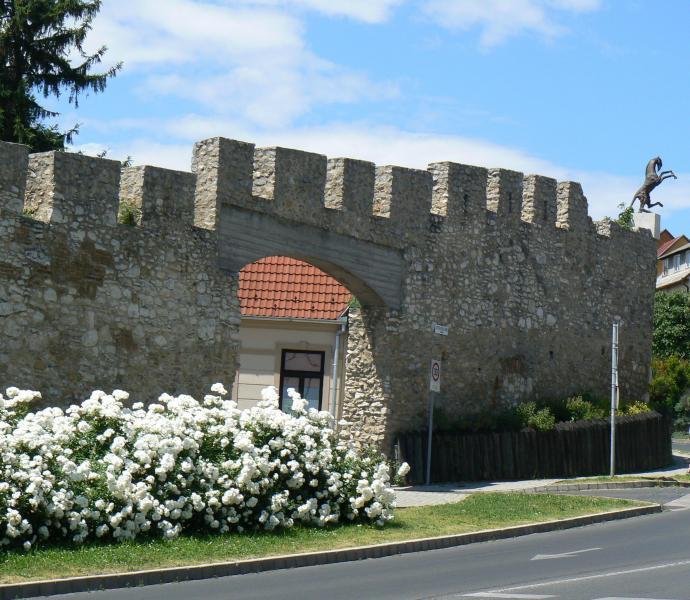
(446, 493)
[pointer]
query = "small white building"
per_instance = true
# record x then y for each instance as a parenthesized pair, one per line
(673, 263)
(292, 334)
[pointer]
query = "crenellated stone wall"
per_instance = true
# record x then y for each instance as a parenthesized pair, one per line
(526, 282)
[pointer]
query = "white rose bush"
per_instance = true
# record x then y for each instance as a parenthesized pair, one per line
(107, 471)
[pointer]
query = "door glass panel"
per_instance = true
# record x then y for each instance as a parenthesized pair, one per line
(312, 391)
(288, 382)
(302, 361)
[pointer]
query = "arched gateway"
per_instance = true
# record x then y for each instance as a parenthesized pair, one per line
(525, 282)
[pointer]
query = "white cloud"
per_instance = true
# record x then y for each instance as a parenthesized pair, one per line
(369, 11)
(235, 58)
(501, 19)
(272, 93)
(149, 32)
(576, 5)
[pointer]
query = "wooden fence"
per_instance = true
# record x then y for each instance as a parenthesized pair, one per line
(578, 448)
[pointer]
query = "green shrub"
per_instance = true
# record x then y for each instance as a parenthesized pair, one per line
(525, 411)
(539, 415)
(635, 408)
(129, 214)
(670, 383)
(682, 412)
(580, 409)
(626, 217)
(541, 419)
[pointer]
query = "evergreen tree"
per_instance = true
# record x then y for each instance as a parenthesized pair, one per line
(41, 54)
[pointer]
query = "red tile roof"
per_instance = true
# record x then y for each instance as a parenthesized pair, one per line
(279, 286)
(665, 246)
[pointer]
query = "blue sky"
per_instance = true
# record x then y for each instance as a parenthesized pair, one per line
(588, 90)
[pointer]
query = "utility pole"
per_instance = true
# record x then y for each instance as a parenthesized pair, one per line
(614, 394)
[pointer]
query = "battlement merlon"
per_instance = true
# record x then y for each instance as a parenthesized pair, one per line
(572, 207)
(158, 196)
(403, 195)
(64, 187)
(459, 191)
(504, 195)
(350, 185)
(224, 176)
(539, 200)
(14, 160)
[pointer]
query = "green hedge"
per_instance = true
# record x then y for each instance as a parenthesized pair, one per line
(539, 416)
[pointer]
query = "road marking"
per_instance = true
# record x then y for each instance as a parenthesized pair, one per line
(499, 595)
(621, 598)
(680, 563)
(563, 555)
(682, 503)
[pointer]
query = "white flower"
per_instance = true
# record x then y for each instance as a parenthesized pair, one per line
(178, 464)
(299, 404)
(219, 388)
(403, 469)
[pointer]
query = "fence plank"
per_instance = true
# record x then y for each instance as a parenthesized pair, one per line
(643, 442)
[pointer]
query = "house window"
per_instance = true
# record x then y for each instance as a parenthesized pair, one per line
(666, 266)
(304, 372)
(676, 262)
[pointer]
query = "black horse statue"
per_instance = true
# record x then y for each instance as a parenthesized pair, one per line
(652, 179)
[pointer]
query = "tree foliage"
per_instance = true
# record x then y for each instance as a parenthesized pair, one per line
(42, 55)
(626, 217)
(669, 391)
(672, 325)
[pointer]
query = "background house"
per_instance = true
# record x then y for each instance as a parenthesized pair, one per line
(673, 263)
(292, 333)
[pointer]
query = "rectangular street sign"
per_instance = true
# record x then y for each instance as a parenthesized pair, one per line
(435, 376)
(441, 329)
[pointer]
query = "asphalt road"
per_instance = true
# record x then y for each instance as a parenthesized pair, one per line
(681, 445)
(647, 557)
(658, 495)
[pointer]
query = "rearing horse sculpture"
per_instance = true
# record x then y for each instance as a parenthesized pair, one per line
(651, 180)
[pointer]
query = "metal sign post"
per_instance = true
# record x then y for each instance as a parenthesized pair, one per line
(614, 394)
(434, 388)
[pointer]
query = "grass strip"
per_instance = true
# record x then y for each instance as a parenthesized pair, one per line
(477, 512)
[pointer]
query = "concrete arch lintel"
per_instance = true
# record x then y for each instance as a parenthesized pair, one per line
(373, 273)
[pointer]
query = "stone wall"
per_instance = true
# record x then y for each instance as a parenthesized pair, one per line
(526, 282)
(86, 303)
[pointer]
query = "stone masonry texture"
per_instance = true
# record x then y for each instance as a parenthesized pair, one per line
(526, 282)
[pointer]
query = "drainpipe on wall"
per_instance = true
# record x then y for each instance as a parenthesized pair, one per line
(334, 373)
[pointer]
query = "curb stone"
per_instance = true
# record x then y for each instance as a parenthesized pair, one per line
(291, 561)
(603, 485)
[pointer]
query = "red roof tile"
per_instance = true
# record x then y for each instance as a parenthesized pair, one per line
(279, 286)
(665, 246)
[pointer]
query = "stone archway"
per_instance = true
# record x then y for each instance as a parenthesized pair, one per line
(268, 334)
(291, 203)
